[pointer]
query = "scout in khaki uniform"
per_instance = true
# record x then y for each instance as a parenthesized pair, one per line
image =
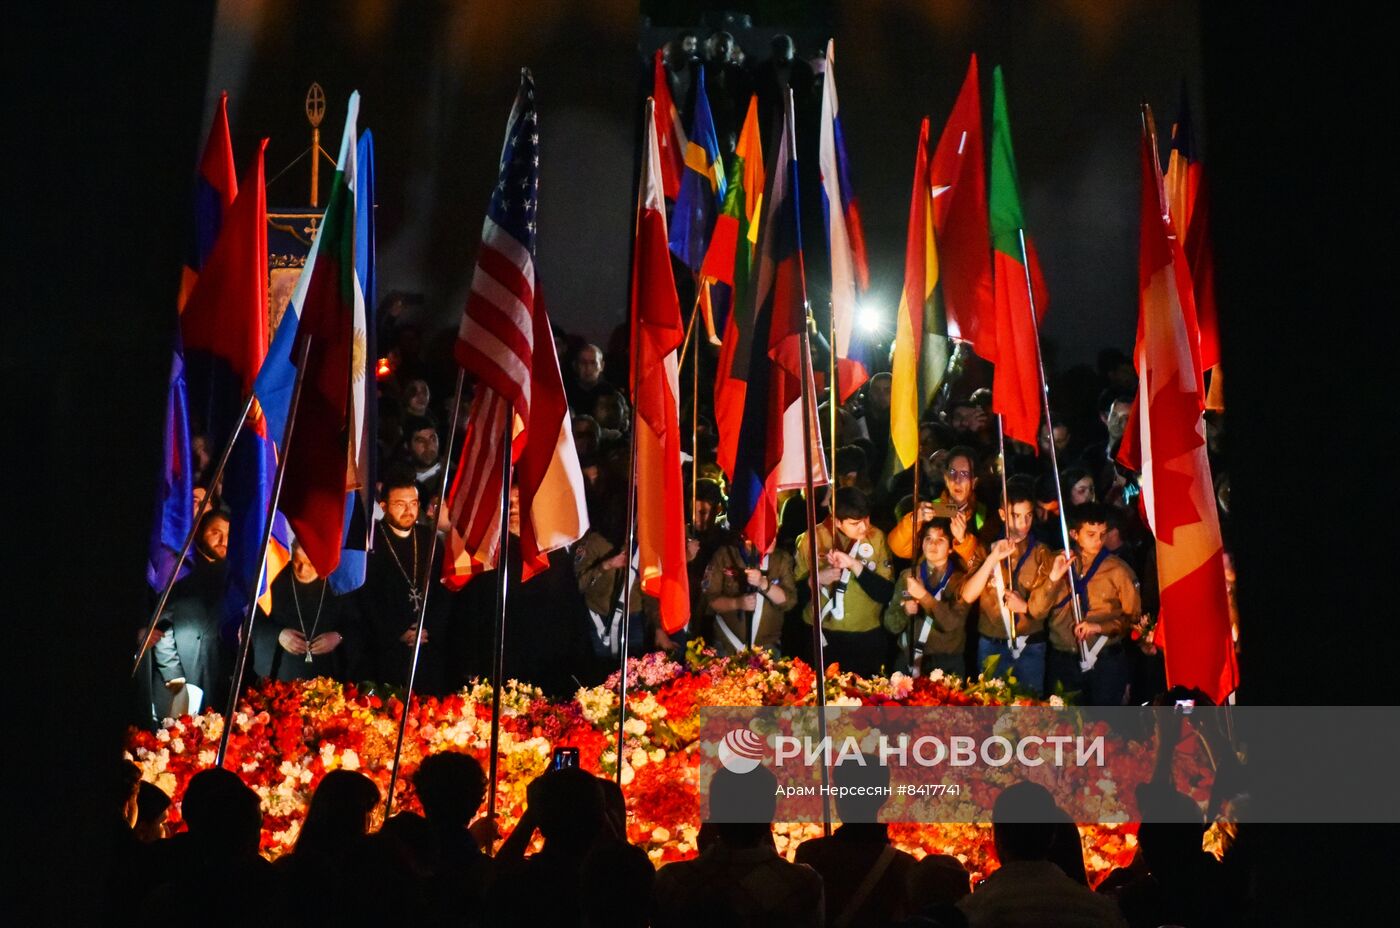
(928, 605)
(856, 574)
(748, 594)
(1110, 602)
(1009, 624)
(600, 567)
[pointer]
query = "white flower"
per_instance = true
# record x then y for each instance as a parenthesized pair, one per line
(634, 726)
(1057, 702)
(350, 760)
(639, 758)
(660, 835)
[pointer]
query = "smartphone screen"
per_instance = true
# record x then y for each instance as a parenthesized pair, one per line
(564, 758)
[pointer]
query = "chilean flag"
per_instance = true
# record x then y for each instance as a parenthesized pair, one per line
(770, 455)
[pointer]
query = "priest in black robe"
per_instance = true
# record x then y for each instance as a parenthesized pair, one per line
(310, 631)
(397, 576)
(191, 651)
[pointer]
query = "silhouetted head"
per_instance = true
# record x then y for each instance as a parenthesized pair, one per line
(742, 805)
(872, 777)
(339, 811)
(568, 806)
(451, 786)
(1024, 821)
(222, 812)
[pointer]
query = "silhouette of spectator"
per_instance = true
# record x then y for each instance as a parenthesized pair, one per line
(935, 885)
(1029, 889)
(127, 853)
(864, 875)
(568, 809)
(153, 808)
(616, 877)
(336, 825)
(1178, 882)
(739, 880)
(451, 786)
(223, 818)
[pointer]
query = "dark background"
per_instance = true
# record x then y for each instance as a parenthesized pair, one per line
(437, 80)
(106, 110)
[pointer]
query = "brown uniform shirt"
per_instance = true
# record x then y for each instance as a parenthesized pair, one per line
(1113, 602)
(861, 612)
(1033, 574)
(948, 612)
(724, 577)
(600, 586)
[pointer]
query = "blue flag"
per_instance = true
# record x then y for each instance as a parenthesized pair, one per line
(175, 501)
(702, 186)
(359, 500)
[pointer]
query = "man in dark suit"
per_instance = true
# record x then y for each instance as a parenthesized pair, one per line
(190, 657)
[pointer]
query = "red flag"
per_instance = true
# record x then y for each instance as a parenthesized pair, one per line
(960, 221)
(670, 134)
(505, 342)
(657, 333)
(1189, 203)
(216, 186)
(1166, 444)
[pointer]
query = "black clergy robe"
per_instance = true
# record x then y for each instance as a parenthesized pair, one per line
(336, 614)
(386, 610)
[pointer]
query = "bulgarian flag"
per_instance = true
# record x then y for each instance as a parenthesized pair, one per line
(920, 355)
(1165, 443)
(657, 334)
(729, 263)
(1016, 277)
(319, 459)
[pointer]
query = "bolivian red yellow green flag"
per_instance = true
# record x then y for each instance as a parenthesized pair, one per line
(1016, 387)
(920, 354)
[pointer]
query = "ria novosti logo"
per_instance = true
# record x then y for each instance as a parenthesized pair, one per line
(741, 751)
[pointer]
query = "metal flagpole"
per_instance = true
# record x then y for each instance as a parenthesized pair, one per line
(809, 402)
(627, 588)
(818, 651)
(1006, 509)
(833, 398)
(427, 586)
(204, 506)
(1054, 460)
(634, 337)
(245, 631)
(694, 413)
(498, 637)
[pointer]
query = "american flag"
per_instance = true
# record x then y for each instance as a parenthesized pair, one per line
(504, 341)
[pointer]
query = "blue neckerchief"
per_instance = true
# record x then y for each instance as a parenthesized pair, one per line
(1081, 584)
(923, 577)
(1025, 555)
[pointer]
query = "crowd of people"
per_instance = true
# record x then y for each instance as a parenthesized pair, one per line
(568, 861)
(974, 578)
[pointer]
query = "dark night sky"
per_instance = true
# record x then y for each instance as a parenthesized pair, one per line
(437, 81)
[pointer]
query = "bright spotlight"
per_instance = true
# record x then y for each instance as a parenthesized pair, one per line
(870, 318)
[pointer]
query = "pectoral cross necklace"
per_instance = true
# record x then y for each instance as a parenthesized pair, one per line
(296, 600)
(415, 595)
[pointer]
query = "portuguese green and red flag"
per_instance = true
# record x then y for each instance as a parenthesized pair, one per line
(1016, 278)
